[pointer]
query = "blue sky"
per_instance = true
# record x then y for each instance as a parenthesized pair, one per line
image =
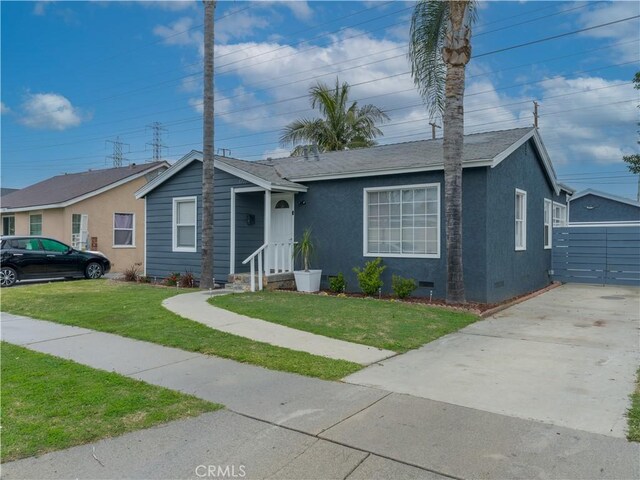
(76, 74)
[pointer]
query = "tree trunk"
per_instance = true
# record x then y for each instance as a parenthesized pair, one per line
(206, 277)
(453, 130)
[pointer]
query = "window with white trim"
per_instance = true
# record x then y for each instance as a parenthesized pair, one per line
(35, 224)
(548, 214)
(9, 225)
(402, 222)
(559, 215)
(184, 224)
(521, 219)
(124, 232)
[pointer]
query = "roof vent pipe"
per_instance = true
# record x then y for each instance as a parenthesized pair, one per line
(305, 152)
(316, 154)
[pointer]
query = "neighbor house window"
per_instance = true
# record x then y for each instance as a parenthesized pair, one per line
(79, 233)
(123, 230)
(9, 225)
(559, 215)
(402, 222)
(521, 220)
(548, 214)
(35, 224)
(184, 224)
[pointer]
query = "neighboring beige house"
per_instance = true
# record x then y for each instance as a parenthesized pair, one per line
(93, 210)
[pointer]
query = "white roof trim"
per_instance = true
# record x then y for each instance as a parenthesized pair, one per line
(85, 196)
(608, 196)
(546, 161)
(219, 164)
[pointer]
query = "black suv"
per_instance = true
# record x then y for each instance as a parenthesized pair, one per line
(23, 258)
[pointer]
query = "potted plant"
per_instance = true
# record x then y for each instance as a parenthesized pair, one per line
(307, 280)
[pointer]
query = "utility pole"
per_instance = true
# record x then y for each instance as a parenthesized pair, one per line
(117, 158)
(535, 114)
(156, 143)
(434, 125)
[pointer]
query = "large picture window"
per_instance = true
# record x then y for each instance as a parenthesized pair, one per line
(123, 230)
(521, 220)
(184, 224)
(402, 221)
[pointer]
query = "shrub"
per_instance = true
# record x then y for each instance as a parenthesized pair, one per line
(132, 273)
(187, 280)
(172, 280)
(369, 277)
(403, 287)
(144, 279)
(337, 284)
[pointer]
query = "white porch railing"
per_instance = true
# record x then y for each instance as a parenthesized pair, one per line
(252, 258)
(280, 254)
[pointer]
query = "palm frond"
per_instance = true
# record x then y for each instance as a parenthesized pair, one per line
(428, 28)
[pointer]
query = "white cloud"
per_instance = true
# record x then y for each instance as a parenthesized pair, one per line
(240, 26)
(604, 12)
(40, 8)
(171, 5)
(49, 111)
(180, 32)
(300, 9)
(4, 109)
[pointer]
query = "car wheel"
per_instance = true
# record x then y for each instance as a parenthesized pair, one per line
(93, 270)
(7, 276)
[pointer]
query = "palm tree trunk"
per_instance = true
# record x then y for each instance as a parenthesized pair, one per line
(206, 277)
(453, 131)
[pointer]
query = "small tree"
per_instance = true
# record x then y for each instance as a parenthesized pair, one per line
(633, 161)
(369, 277)
(305, 248)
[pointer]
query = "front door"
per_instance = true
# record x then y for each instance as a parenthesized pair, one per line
(281, 241)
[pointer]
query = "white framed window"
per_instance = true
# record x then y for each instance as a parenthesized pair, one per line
(559, 215)
(548, 215)
(9, 225)
(521, 219)
(35, 224)
(402, 221)
(79, 231)
(124, 230)
(184, 224)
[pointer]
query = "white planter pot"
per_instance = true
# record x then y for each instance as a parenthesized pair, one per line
(308, 281)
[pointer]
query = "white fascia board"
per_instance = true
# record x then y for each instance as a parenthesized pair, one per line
(170, 172)
(81, 197)
(396, 171)
(546, 161)
(608, 196)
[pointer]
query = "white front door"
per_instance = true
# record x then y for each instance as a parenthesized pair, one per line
(281, 239)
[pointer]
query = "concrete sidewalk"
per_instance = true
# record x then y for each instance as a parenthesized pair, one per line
(287, 426)
(194, 306)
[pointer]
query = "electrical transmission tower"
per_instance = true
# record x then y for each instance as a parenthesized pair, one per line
(156, 143)
(117, 158)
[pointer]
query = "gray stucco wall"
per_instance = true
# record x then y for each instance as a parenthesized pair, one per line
(334, 211)
(511, 272)
(160, 259)
(601, 210)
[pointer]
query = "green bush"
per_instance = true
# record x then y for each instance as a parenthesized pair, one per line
(172, 280)
(402, 287)
(337, 284)
(369, 277)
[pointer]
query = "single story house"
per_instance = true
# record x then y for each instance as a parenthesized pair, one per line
(92, 210)
(595, 207)
(386, 201)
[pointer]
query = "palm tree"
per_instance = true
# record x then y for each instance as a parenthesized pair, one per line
(344, 125)
(439, 50)
(206, 276)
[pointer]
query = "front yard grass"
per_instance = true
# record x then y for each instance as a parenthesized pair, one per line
(136, 311)
(634, 413)
(390, 325)
(49, 403)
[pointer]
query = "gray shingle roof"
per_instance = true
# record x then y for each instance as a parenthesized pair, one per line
(62, 188)
(258, 169)
(477, 147)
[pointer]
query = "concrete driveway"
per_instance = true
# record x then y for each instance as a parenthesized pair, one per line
(567, 357)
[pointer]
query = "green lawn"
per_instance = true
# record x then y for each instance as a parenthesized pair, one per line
(49, 403)
(384, 324)
(135, 311)
(634, 413)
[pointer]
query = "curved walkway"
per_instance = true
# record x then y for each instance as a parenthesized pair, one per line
(194, 306)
